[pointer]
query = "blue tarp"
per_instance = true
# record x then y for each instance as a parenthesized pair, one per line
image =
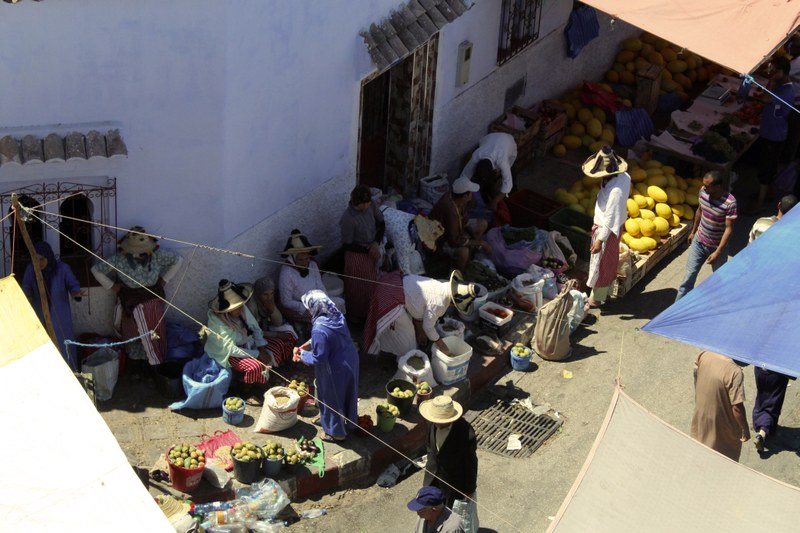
(749, 309)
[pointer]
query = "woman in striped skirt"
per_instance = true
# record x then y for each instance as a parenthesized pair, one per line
(235, 339)
(362, 228)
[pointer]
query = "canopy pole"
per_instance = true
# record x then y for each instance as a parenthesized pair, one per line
(18, 217)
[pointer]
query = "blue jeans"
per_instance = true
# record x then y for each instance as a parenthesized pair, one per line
(698, 253)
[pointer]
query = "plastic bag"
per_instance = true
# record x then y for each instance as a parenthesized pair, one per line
(409, 373)
(510, 261)
(565, 247)
(221, 439)
(578, 311)
(450, 327)
(275, 417)
(264, 499)
(550, 289)
(624, 267)
(103, 365)
(523, 292)
(215, 473)
(205, 382)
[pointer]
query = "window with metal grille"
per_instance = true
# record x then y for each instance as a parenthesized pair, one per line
(519, 27)
(69, 211)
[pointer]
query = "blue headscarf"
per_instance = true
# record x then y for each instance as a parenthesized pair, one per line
(43, 249)
(322, 309)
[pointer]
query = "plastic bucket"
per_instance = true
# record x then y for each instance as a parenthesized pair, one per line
(520, 363)
(272, 467)
(386, 422)
(404, 404)
(421, 397)
(449, 369)
(246, 472)
(184, 479)
(169, 379)
(233, 418)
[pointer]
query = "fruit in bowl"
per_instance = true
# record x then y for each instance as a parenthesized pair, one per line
(234, 404)
(400, 393)
(186, 456)
(423, 388)
(246, 452)
(273, 450)
(520, 350)
(387, 409)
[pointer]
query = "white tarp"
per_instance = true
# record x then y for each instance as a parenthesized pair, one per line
(62, 469)
(644, 475)
(738, 34)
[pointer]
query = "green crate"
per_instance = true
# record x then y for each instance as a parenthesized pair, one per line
(566, 221)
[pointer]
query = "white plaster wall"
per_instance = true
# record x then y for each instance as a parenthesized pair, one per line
(462, 115)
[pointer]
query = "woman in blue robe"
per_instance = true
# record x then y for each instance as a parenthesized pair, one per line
(61, 285)
(335, 359)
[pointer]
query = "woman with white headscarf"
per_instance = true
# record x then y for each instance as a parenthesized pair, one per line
(335, 359)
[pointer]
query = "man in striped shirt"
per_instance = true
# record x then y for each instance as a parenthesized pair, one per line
(712, 228)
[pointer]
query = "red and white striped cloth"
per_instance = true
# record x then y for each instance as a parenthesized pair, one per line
(603, 266)
(146, 317)
(280, 349)
(388, 301)
(361, 272)
(251, 368)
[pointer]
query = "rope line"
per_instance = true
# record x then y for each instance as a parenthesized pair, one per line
(750, 79)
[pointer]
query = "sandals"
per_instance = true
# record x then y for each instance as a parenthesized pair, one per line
(594, 305)
(329, 438)
(316, 422)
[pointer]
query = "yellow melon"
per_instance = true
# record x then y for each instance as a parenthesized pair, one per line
(638, 174)
(571, 141)
(632, 43)
(671, 181)
(577, 129)
(600, 115)
(594, 128)
(676, 210)
(663, 210)
(647, 227)
(618, 67)
(641, 63)
(565, 198)
(662, 226)
(669, 86)
(626, 238)
(607, 136)
(658, 181)
(675, 195)
(632, 227)
(668, 169)
(641, 201)
(652, 163)
(641, 188)
(687, 213)
(624, 56)
(656, 58)
(637, 245)
(588, 182)
(676, 65)
(649, 243)
(577, 207)
(559, 150)
(669, 56)
(648, 38)
(612, 76)
(675, 220)
(647, 214)
(586, 140)
(627, 77)
(683, 81)
(585, 115)
(569, 110)
(633, 207)
(597, 146)
(654, 171)
(681, 183)
(651, 204)
(657, 193)
(692, 196)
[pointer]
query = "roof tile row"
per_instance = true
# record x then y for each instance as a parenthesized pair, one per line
(54, 147)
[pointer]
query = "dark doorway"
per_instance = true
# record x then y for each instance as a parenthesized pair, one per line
(75, 239)
(36, 232)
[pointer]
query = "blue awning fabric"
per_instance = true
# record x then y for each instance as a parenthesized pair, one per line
(749, 309)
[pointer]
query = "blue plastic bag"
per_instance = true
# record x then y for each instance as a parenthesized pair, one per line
(205, 382)
(182, 342)
(633, 123)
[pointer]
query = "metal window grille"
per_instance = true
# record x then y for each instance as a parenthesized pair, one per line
(519, 27)
(94, 203)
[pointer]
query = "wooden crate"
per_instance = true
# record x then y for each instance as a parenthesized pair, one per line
(522, 137)
(648, 84)
(646, 262)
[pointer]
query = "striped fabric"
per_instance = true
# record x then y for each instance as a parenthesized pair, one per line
(361, 272)
(145, 318)
(250, 368)
(714, 215)
(280, 349)
(603, 266)
(388, 301)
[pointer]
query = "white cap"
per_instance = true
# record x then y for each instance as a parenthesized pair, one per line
(462, 185)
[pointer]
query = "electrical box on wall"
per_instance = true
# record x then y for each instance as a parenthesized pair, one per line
(462, 67)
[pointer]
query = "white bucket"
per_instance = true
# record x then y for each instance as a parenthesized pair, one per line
(449, 369)
(334, 286)
(480, 299)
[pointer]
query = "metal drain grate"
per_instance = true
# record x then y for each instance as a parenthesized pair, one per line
(494, 425)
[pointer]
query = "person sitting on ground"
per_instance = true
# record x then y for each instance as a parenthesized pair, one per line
(61, 285)
(498, 150)
(610, 212)
(335, 359)
(362, 228)
(462, 235)
(235, 339)
(138, 275)
(405, 309)
(711, 230)
(770, 385)
(434, 515)
(298, 276)
(280, 336)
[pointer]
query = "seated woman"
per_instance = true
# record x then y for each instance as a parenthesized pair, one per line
(280, 336)
(235, 339)
(299, 276)
(405, 309)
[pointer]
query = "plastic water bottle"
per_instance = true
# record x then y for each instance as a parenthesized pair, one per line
(313, 513)
(228, 528)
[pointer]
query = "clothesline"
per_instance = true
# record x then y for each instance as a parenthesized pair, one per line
(266, 367)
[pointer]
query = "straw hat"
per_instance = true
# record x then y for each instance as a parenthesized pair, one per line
(135, 243)
(171, 506)
(298, 243)
(441, 410)
(604, 163)
(462, 294)
(428, 231)
(230, 296)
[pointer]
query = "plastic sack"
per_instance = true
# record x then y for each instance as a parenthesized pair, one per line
(264, 499)
(510, 261)
(182, 342)
(625, 260)
(550, 289)
(523, 292)
(409, 373)
(552, 329)
(578, 311)
(215, 473)
(450, 327)
(564, 247)
(431, 188)
(633, 123)
(205, 382)
(276, 417)
(103, 365)
(221, 439)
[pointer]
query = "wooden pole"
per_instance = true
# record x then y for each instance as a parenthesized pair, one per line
(48, 321)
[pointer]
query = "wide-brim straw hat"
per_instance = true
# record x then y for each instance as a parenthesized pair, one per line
(428, 231)
(172, 507)
(136, 243)
(441, 410)
(230, 296)
(604, 163)
(462, 294)
(297, 243)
